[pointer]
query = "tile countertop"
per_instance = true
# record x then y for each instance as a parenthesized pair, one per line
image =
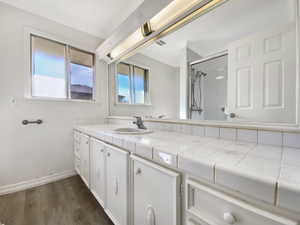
(266, 173)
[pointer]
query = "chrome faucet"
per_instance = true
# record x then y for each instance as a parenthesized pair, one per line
(139, 122)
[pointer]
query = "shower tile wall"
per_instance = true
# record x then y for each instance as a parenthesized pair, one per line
(214, 89)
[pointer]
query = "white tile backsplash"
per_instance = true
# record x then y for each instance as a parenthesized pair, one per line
(187, 129)
(291, 140)
(228, 133)
(177, 128)
(212, 132)
(247, 135)
(275, 138)
(270, 138)
(198, 131)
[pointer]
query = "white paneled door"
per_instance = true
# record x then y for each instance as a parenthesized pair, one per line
(262, 75)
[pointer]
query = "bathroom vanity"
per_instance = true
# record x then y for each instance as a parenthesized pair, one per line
(179, 177)
(222, 94)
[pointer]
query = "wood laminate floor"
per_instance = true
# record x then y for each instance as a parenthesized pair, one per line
(66, 202)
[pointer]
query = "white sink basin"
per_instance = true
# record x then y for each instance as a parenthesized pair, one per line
(127, 130)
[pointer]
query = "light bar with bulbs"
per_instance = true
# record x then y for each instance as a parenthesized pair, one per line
(172, 17)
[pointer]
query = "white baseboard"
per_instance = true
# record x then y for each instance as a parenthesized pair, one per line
(11, 188)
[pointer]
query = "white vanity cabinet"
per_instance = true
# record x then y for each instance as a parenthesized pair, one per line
(156, 194)
(98, 170)
(117, 185)
(85, 158)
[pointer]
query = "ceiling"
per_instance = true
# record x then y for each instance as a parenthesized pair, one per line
(96, 17)
(213, 31)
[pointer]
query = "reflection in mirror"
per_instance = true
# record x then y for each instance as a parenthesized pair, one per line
(208, 88)
(235, 63)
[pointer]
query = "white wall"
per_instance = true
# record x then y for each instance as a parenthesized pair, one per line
(34, 151)
(164, 90)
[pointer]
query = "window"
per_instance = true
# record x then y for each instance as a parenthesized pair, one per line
(60, 71)
(132, 84)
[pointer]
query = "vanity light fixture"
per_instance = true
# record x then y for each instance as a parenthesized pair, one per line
(169, 19)
(146, 29)
(172, 11)
(129, 42)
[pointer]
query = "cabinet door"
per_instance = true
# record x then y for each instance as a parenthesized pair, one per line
(98, 165)
(156, 194)
(85, 159)
(117, 185)
(76, 140)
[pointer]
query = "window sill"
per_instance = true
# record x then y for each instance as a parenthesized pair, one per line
(60, 100)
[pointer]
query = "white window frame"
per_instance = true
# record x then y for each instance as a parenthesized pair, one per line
(28, 33)
(147, 94)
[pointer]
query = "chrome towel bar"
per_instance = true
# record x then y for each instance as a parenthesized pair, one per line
(26, 122)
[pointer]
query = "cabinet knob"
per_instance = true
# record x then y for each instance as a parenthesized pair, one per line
(108, 154)
(102, 150)
(229, 218)
(138, 171)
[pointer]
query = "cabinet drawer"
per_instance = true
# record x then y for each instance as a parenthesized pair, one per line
(218, 208)
(194, 221)
(77, 165)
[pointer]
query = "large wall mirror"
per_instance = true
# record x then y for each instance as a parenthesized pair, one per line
(236, 63)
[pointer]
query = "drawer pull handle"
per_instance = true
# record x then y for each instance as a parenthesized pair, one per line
(102, 150)
(150, 217)
(229, 218)
(116, 187)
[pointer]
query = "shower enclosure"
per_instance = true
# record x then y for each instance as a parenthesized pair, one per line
(208, 88)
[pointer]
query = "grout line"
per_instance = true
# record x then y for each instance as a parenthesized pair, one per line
(276, 194)
(214, 173)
